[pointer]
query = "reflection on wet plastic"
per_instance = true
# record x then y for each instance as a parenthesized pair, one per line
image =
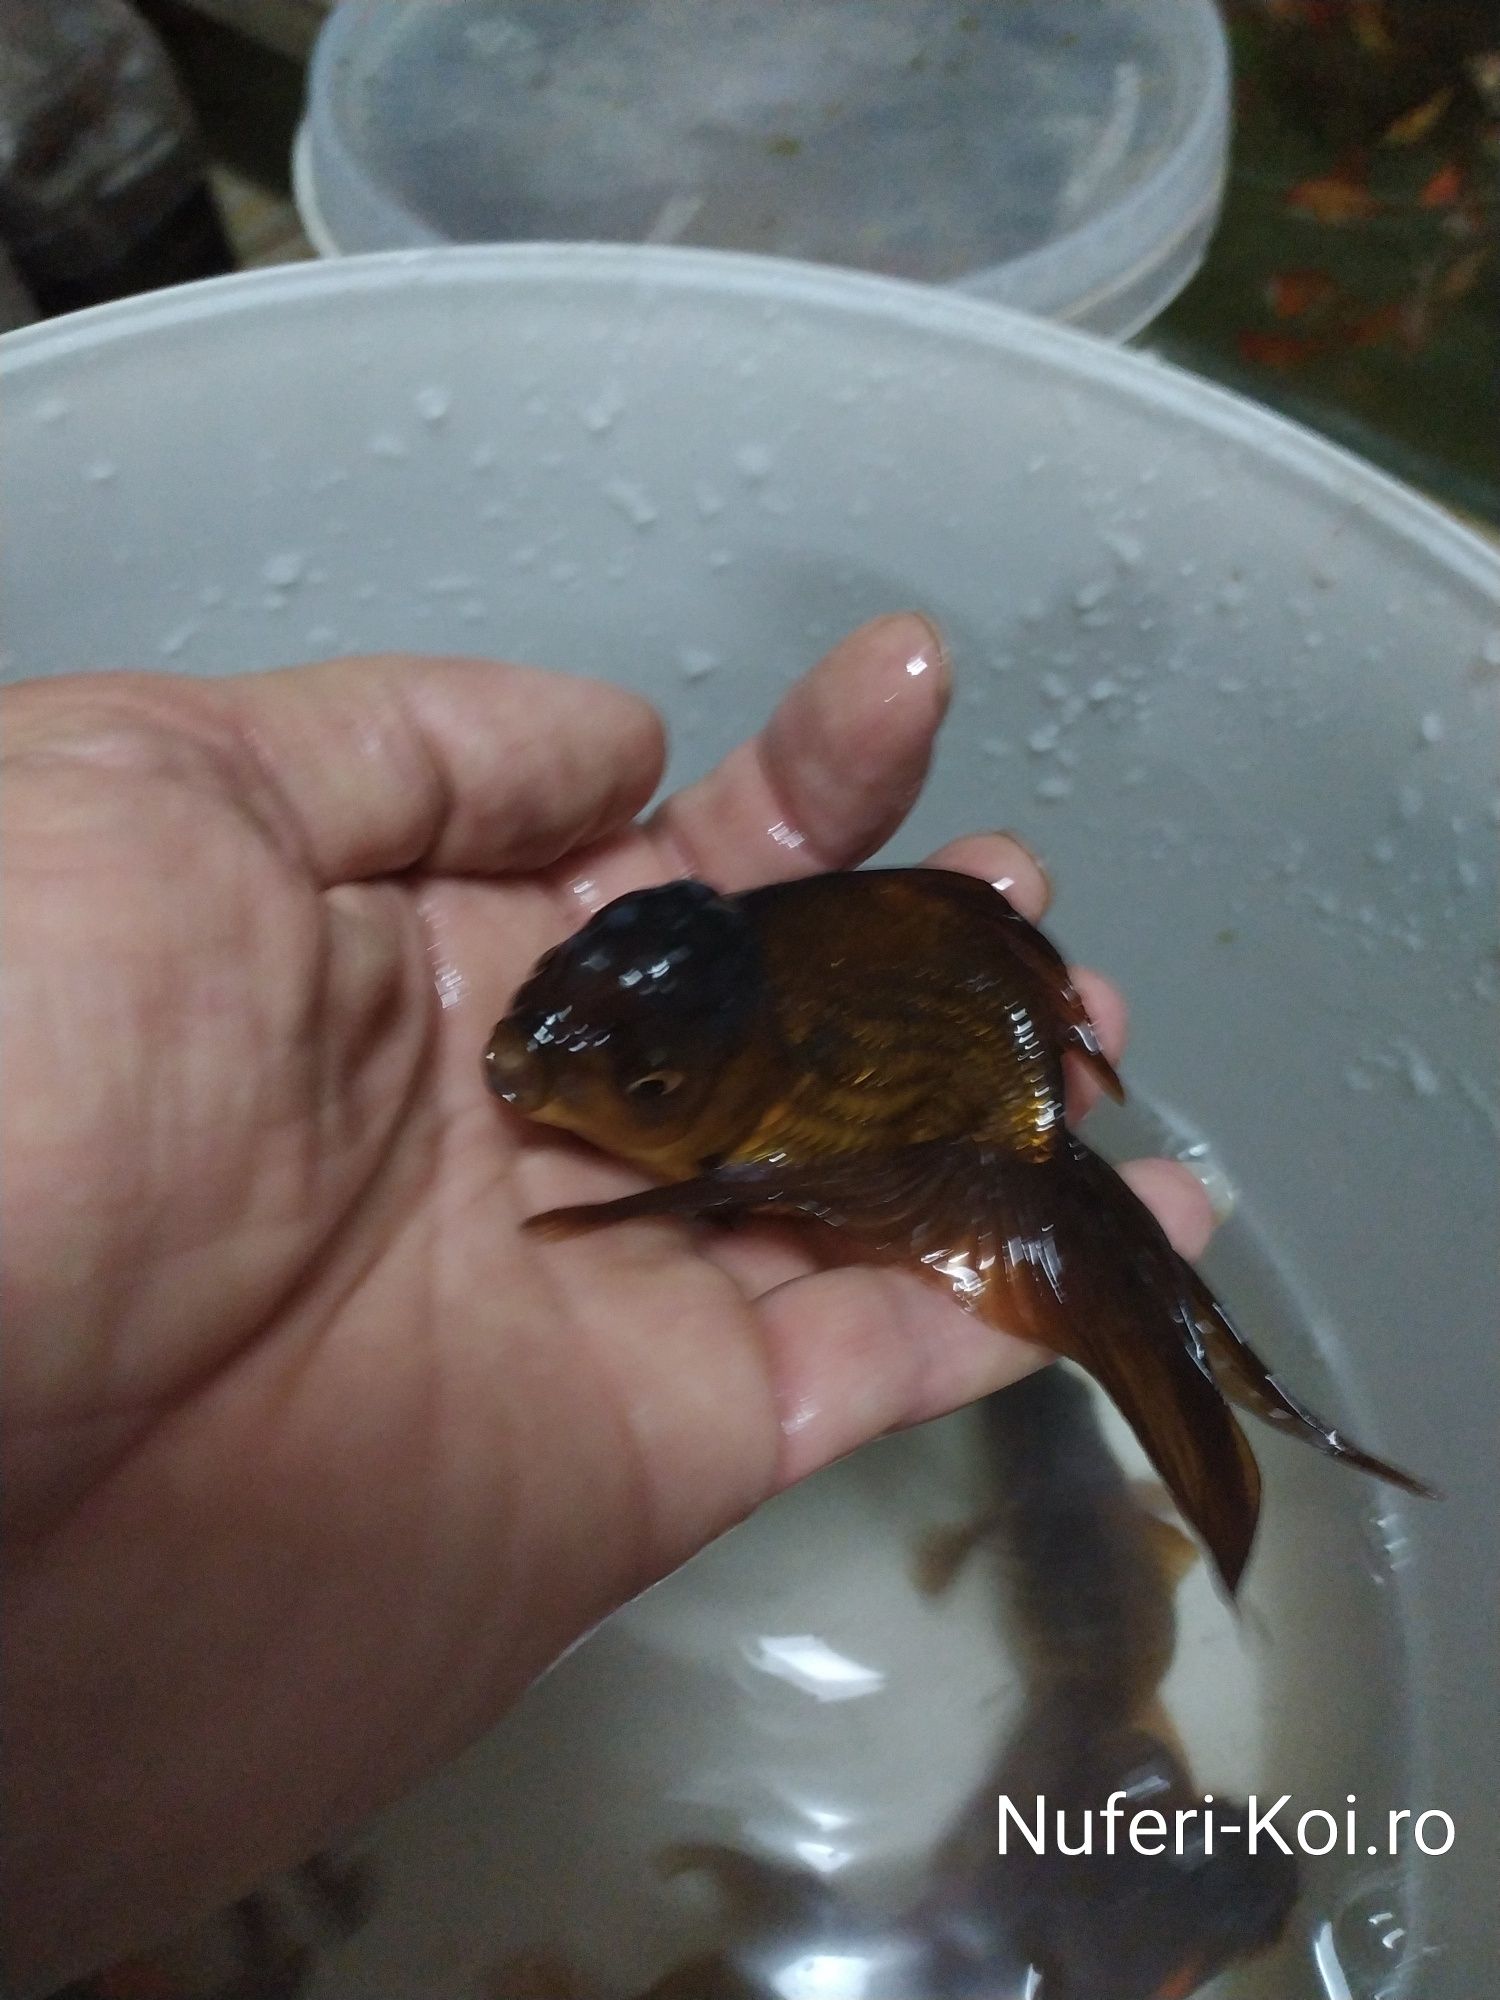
(1088, 1575)
(807, 1663)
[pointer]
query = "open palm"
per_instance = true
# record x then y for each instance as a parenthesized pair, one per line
(314, 1460)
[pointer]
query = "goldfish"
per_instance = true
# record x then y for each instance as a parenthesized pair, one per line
(1088, 1576)
(882, 1051)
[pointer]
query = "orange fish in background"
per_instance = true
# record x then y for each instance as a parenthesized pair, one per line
(1290, 294)
(882, 1051)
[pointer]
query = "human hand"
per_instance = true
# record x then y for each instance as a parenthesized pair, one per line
(314, 1459)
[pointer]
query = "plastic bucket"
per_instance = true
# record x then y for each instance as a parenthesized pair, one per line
(1237, 687)
(1065, 159)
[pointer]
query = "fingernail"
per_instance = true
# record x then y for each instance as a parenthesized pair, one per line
(934, 652)
(1010, 834)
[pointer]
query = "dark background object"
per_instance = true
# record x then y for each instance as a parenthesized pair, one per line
(102, 185)
(1354, 281)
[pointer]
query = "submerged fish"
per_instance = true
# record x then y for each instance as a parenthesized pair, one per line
(1089, 1575)
(883, 1051)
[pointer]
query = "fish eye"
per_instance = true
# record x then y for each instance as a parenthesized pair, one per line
(655, 1083)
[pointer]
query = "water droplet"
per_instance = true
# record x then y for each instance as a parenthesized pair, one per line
(174, 641)
(564, 571)
(99, 471)
(1037, 464)
(483, 457)
(633, 501)
(536, 406)
(1050, 788)
(754, 461)
(432, 402)
(386, 444)
(1467, 872)
(1104, 689)
(449, 584)
(1489, 649)
(1421, 1075)
(284, 569)
(523, 555)
(1358, 1079)
(600, 415)
(1128, 550)
(1324, 578)
(51, 409)
(1088, 595)
(1383, 850)
(211, 595)
(1231, 594)
(994, 746)
(1041, 742)
(720, 558)
(1033, 611)
(321, 637)
(1054, 688)
(1430, 729)
(1408, 800)
(274, 600)
(695, 663)
(473, 609)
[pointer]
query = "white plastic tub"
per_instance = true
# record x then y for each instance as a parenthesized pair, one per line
(1240, 691)
(1066, 157)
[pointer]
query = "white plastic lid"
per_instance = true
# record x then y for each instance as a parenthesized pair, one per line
(1063, 156)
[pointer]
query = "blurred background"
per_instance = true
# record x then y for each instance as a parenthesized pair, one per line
(1352, 281)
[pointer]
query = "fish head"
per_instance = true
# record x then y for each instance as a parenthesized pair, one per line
(636, 1033)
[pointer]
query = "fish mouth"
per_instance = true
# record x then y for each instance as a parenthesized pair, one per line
(512, 1070)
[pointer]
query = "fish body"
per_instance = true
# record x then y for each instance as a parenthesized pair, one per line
(1089, 1576)
(883, 1051)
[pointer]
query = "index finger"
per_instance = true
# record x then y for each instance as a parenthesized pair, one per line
(468, 766)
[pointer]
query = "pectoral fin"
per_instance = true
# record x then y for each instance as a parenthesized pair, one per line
(1060, 1252)
(892, 1205)
(1246, 1380)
